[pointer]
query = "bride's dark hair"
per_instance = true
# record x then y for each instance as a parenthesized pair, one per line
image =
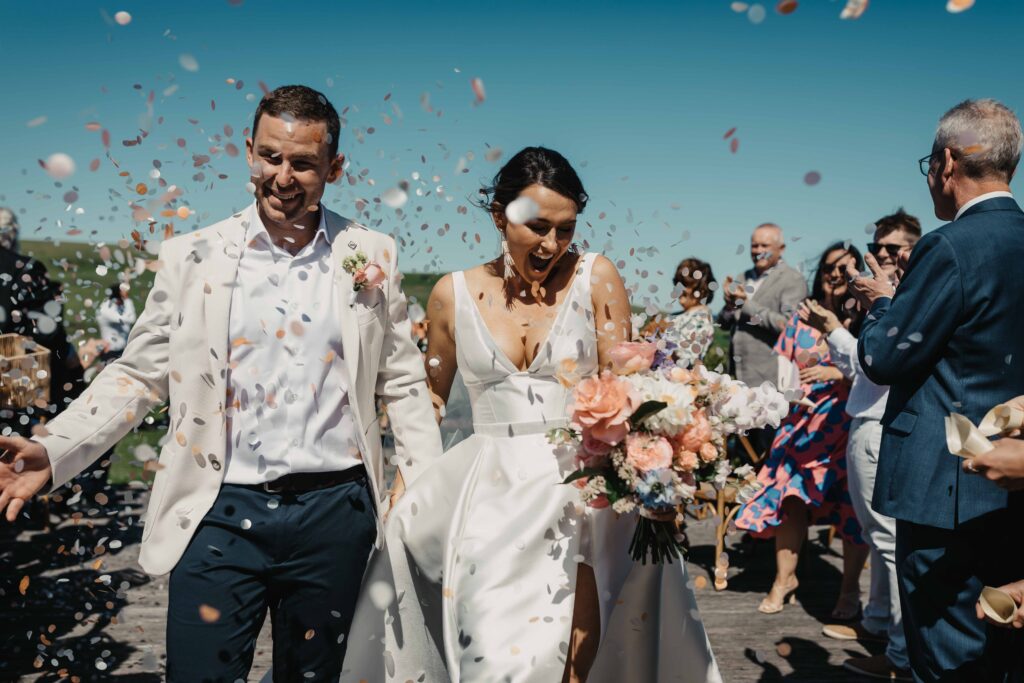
(533, 166)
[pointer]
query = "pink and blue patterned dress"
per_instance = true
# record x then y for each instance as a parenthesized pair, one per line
(808, 455)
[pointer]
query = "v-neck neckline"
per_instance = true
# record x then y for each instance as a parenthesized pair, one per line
(496, 347)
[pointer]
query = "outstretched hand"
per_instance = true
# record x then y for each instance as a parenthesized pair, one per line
(24, 470)
(867, 290)
(1016, 591)
(1004, 464)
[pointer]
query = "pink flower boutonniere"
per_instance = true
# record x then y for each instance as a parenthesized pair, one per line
(366, 274)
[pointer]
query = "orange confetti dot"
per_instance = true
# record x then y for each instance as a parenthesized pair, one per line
(209, 614)
(141, 188)
(786, 6)
(183, 212)
(700, 582)
(784, 649)
(23, 586)
(309, 634)
(180, 438)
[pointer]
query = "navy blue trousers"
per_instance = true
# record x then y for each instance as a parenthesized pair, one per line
(941, 573)
(302, 556)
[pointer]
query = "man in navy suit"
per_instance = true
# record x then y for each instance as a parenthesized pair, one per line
(952, 340)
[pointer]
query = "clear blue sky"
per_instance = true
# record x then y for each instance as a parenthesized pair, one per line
(637, 95)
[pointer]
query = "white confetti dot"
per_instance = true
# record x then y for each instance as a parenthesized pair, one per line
(381, 595)
(250, 187)
(522, 210)
(246, 524)
(756, 14)
(123, 18)
(188, 62)
(395, 197)
(273, 503)
(60, 166)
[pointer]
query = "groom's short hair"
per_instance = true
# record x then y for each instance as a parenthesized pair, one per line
(302, 103)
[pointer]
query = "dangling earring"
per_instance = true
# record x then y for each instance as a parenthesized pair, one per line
(509, 268)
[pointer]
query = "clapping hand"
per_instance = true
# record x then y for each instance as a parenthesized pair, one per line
(817, 316)
(735, 294)
(1016, 591)
(867, 290)
(24, 470)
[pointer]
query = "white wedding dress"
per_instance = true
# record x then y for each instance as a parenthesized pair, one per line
(482, 550)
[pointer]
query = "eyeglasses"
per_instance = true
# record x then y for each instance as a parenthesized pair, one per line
(925, 163)
(892, 250)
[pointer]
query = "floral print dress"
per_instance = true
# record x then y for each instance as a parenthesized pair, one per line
(692, 331)
(808, 455)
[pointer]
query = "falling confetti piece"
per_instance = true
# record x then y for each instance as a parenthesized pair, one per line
(309, 634)
(728, 133)
(784, 649)
(854, 9)
(734, 145)
(394, 197)
(59, 166)
(37, 121)
(478, 89)
(188, 62)
(739, 7)
(209, 614)
(812, 178)
(141, 188)
(958, 6)
(183, 212)
(700, 583)
(786, 6)
(521, 210)
(381, 595)
(757, 14)
(23, 585)
(123, 18)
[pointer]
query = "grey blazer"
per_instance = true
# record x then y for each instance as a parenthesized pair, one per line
(756, 326)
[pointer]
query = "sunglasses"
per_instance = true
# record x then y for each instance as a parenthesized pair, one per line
(892, 250)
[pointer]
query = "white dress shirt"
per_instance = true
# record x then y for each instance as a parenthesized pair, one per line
(867, 399)
(980, 198)
(115, 322)
(288, 405)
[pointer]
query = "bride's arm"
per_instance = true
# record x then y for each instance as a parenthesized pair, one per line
(611, 308)
(440, 360)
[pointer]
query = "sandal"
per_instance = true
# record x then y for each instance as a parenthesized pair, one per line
(768, 606)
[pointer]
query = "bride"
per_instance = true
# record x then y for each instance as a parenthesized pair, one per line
(492, 569)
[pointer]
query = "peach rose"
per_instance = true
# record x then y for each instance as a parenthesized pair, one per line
(696, 434)
(602, 407)
(686, 461)
(708, 452)
(371, 276)
(647, 452)
(630, 357)
(681, 375)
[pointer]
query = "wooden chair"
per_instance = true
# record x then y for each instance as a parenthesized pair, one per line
(722, 502)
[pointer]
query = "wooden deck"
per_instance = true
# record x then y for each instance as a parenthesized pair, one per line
(98, 617)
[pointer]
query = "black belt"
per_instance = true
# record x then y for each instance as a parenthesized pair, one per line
(300, 482)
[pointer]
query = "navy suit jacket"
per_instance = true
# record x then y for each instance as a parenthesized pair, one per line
(951, 340)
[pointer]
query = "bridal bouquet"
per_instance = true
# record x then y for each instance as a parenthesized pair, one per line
(645, 434)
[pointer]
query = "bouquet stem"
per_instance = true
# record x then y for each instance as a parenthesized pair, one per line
(655, 538)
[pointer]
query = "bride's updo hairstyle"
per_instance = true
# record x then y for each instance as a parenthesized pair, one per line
(533, 166)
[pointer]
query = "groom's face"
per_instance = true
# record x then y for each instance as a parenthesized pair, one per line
(290, 164)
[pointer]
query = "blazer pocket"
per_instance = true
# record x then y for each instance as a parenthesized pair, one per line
(368, 306)
(903, 423)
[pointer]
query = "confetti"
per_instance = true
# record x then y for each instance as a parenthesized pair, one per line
(854, 9)
(209, 614)
(123, 18)
(521, 210)
(734, 145)
(728, 133)
(183, 212)
(958, 6)
(756, 14)
(478, 90)
(381, 595)
(395, 197)
(812, 178)
(188, 62)
(59, 166)
(784, 649)
(23, 585)
(37, 121)
(786, 6)
(739, 7)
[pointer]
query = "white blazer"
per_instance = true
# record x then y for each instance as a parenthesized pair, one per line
(178, 350)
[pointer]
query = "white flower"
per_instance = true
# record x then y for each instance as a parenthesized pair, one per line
(623, 506)
(679, 397)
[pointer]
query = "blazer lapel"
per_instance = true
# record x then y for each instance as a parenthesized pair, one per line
(218, 285)
(344, 243)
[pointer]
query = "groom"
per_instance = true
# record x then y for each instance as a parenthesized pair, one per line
(270, 344)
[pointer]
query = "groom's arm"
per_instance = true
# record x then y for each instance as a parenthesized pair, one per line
(402, 382)
(119, 398)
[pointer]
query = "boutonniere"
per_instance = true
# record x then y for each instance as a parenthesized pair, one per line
(366, 274)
